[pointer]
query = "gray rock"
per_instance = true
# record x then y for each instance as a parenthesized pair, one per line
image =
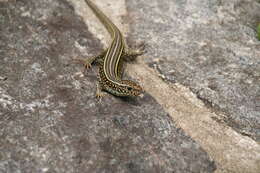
(50, 120)
(209, 46)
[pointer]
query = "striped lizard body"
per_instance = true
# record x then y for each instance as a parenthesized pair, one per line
(111, 61)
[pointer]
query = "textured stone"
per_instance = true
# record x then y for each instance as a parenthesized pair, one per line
(50, 120)
(210, 46)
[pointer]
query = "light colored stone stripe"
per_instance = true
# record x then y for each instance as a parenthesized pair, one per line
(231, 151)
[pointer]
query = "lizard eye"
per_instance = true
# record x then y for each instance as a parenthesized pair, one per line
(129, 88)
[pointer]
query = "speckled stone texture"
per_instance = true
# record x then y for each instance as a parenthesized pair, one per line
(50, 120)
(210, 46)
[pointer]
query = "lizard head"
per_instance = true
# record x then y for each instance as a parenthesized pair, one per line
(130, 88)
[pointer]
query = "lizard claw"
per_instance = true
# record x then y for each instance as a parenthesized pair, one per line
(99, 93)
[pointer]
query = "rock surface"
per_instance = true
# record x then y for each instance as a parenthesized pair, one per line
(210, 46)
(50, 120)
(200, 112)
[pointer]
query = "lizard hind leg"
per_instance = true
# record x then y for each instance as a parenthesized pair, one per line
(87, 62)
(133, 53)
